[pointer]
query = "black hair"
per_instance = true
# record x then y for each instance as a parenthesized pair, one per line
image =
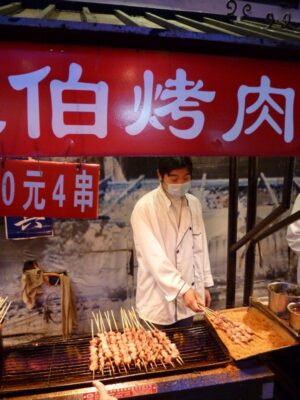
(30, 264)
(167, 164)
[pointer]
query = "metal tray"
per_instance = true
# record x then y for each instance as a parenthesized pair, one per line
(269, 334)
(261, 303)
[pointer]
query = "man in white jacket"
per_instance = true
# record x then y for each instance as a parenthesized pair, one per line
(171, 247)
(293, 235)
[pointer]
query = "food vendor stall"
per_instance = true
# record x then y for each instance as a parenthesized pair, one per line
(148, 86)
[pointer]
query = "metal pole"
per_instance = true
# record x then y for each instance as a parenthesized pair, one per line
(232, 232)
(285, 205)
(251, 218)
(277, 212)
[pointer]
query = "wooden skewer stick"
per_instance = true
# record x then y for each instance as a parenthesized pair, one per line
(125, 367)
(136, 318)
(179, 358)
(153, 326)
(128, 320)
(112, 366)
(92, 328)
(108, 320)
(102, 322)
(96, 321)
(163, 364)
(207, 310)
(145, 365)
(5, 307)
(4, 312)
(148, 324)
(122, 319)
(138, 365)
(126, 325)
(113, 317)
(2, 301)
(134, 322)
(259, 336)
(131, 320)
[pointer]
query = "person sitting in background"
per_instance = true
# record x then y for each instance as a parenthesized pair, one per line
(293, 235)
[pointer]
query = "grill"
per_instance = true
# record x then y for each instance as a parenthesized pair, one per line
(59, 365)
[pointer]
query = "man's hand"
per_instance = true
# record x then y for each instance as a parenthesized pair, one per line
(103, 395)
(192, 300)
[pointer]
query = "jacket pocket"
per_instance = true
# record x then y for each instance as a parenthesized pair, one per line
(197, 242)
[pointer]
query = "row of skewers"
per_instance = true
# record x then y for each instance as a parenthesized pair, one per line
(134, 346)
(238, 332)
(4, 306)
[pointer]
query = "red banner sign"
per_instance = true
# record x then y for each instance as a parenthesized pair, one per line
(50, 189)
(58, 100)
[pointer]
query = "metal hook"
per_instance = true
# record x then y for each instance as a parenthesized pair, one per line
(231, 5)
(270, 19)
(247, 9)
(286, 20)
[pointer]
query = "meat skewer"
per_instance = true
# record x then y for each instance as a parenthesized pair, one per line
(174, 352)
(238, 332)
(93, 352)
(134, 346)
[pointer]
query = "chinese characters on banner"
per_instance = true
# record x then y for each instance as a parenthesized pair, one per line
(50, 189)
(70, 100)
(28, 227)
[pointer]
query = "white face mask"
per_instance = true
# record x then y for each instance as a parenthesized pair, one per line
(178, 189)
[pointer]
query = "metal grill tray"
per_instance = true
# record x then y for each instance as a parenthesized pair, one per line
(58, 365)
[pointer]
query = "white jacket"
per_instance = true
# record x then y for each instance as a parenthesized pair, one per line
(293, 235)
(170, 261)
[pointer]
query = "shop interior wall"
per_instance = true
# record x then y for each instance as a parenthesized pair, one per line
(96, 254)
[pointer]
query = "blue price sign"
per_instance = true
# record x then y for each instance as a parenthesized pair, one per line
(28, 227)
